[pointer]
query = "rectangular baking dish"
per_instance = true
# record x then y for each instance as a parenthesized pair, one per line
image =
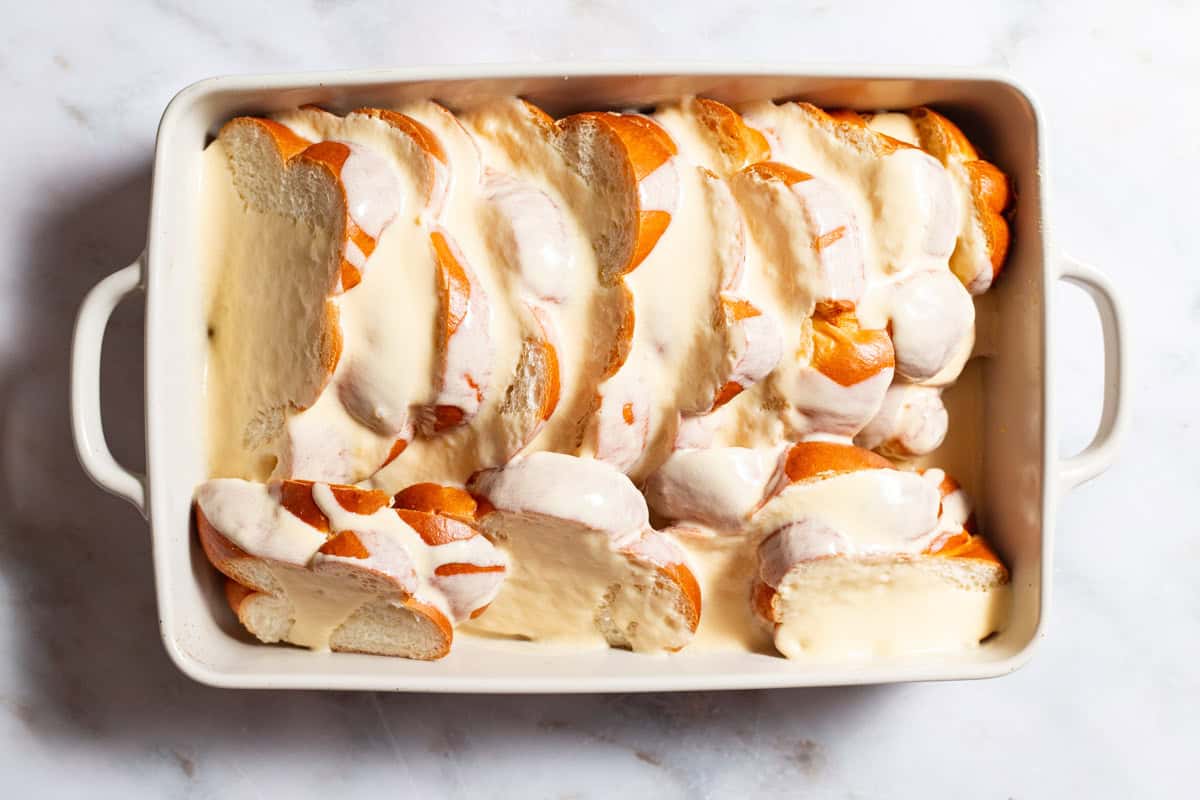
(1020, 484)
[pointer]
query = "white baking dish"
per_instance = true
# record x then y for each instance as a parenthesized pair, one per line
(1019, 488)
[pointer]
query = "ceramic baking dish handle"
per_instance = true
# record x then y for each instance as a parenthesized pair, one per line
(86, 420)
(1099, 454)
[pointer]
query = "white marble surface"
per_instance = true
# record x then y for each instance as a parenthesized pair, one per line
(90, 705)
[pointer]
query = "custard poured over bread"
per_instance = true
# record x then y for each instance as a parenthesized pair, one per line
(596, 380)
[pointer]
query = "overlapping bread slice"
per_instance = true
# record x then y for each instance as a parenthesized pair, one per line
(810, 262)
(679, 370)
(371, 190)
(585, 566)
(844, 381)
(529, 230)
(902, 197)
(498, 383)
(716, 488)
(332, 567)
(608, 181)
(713, 135)
(912, 421)
(899, 574)
(619, 177)
(273, 327)
(983, 192)
(931, 318)
(465, 347)
(629, 162)
(481, 328)
(703, 267)
(622, 177)
(931, 321)
(715, 139)
(416, 151)
(908, 207)
(409, 374)
(377, 172)
(397, 166)
(808, 234)
(421, 162)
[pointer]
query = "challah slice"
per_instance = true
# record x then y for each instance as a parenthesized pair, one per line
(500, 376)
(273, 325)
(329, 442)
(585, 567)
(983, 192)
(903, 197)
(713, 135)
(628, 163)
(465, 348)
(385, 626)
(912, 421)
(743, 343)
(624, 185)
(414, 150)
(677, 369)
(528, 229)
(843, 383)
(332, 567)
(627, 160)
(903, 575)
(834, 371)
(717, 488)
(931, 319)
(403, 374)
(809, 237)
(617, 176)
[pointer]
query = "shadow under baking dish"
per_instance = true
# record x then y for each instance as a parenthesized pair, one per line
(1004, 462)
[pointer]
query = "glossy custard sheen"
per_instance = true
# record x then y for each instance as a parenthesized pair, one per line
(453, 307)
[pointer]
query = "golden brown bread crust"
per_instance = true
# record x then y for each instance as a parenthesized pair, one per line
(289, 148)
(848, 126)
(287, 142)
(844, 352)
(777, 171)
(454, 296)
(436, 498)
(245, 574)
(333, 156)
(966, 543)
(552, 388)
(425, 138)
(764, 601)
(345, 545)
(441, 515)
(296, 497)
(689, 604)
(646, 147)
(235, 595)
(811, 461)
(990, 193)
(229, 559)
(733, 310)
(738, 143)
(436, 529)
(623, 335)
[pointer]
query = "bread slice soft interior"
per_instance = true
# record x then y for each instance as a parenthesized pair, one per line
(273, 325)
(587, 569)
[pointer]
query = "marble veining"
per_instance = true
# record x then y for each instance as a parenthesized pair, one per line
(90, 704)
